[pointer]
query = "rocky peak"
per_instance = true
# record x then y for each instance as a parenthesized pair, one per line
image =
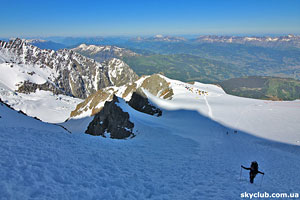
(13, 44)
(116, 72)
(111, 122)
(63, 71)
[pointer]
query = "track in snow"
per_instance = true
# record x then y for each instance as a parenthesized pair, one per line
(210, 114)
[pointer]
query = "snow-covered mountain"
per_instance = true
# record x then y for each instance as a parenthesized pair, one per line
(194, 150)
(289, 40)
(26, 68)
(45, 44)
(42, 83)
(103, 53)
(159, 38)
(259, 117)
(181, 155)
(156, 84)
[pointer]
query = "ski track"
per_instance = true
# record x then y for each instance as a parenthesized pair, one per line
(210, 114)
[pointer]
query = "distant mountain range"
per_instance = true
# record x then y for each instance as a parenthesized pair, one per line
(102, 53)
(45, 44)
(160, 38)
(267, 41)
(210, 62)
(56, 43)
(65, 77)
(288, 41)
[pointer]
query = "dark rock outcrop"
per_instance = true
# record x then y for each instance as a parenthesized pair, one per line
(139, 102)
(28, 87)
(111, 120)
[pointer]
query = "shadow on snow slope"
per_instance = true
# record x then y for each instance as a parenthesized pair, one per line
(181, 155)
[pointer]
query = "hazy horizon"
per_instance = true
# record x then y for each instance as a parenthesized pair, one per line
(188, 36)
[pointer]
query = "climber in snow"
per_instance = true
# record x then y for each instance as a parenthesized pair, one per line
(253, 170)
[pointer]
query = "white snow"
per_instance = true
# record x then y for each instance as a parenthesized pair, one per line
(273, 120)
(117, 68)
(94, 49)
(184, 154)
(181, 155)
(251, 38)
(14, 74)
(42, 104)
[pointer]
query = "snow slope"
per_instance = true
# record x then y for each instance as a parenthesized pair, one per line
(44, 105)
(275, 120)
(181, 155)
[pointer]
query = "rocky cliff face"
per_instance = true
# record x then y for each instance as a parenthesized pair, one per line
(111, 122)
(141, 103)
(156, 84)
(62, 72)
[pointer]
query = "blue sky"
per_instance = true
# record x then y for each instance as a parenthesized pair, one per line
(131, 17)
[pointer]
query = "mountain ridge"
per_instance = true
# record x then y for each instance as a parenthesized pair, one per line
(103, 52)
(61, 72)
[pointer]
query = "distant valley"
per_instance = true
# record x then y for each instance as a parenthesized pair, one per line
(260, 87)
(211, 59)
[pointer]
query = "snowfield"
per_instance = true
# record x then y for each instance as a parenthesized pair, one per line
(274, 120)
(185, 154)
(42, 104)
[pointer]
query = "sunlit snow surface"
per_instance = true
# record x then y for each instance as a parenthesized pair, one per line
(185, 154)
(275, 120)
(41, 104)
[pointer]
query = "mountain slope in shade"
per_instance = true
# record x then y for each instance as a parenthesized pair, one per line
(26, 68)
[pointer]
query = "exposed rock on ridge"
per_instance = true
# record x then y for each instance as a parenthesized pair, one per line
(66, 71)
(111, 122)
(140, 102)
(155, 84)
